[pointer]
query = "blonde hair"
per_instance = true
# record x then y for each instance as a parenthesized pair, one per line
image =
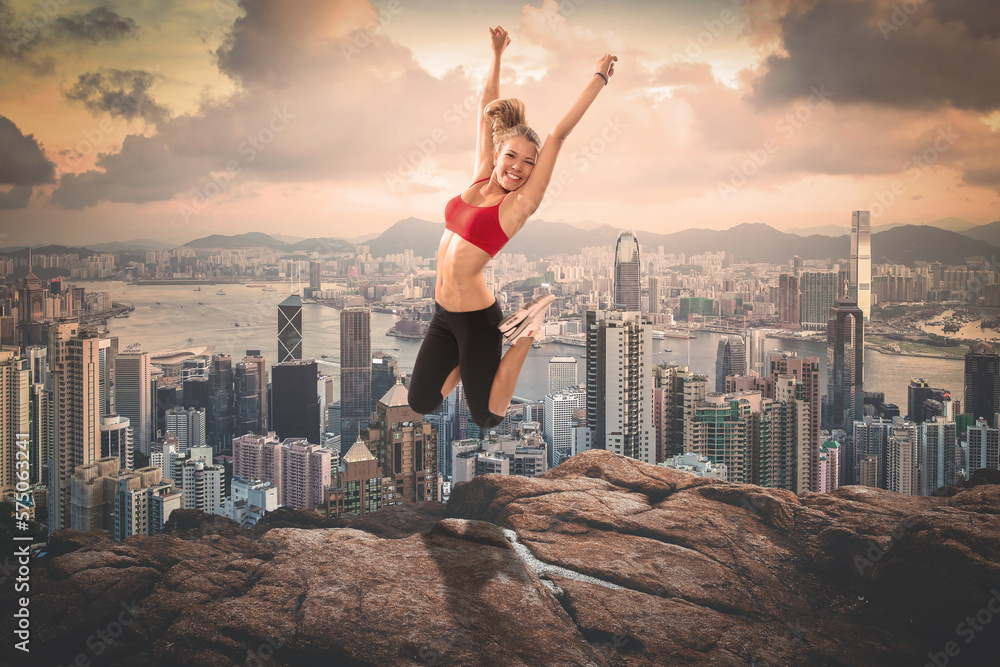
(507, 118)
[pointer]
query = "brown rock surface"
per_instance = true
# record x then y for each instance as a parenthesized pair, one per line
(639, 566)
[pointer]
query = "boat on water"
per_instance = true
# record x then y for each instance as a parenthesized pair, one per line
(268, 288)
(322, 356)
(221, 293)
(190, 339)
(157, 303)
(236, 324)
(196, 289)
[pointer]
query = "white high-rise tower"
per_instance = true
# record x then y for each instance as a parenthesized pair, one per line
(860, 278)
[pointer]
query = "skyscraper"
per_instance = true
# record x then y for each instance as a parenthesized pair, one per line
(290, 328)
(385, 370)
(562, 373)
(558, 428)
(74, 363)
(806, 371)
(984, 447)
(188, 425)
(355, 374)
(315, 275)
(256, 358)
(901, 469)
(108, 352)
(788, 299)
(14, 416)
(918, 391)
(731, 359)
(655, 285)
(819, 291)
(219, 416)
(982, 382)
(845, 364)
(860, 272)
(133, 395)
(754, 341)
(620, 383)
(936, 454)
(627, 279)
(116, 440)
(246, 398)
(405, 446)
(294, 401)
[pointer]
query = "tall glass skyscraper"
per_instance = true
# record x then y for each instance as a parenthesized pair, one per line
(132, 395)
(246, 389)
(355, 374)
(860, 275)
(627, 272)
(818, 291)
(982, 382)
(845, 364)
(294, 401)
(290, 328)
(620, 383)
(731, 359)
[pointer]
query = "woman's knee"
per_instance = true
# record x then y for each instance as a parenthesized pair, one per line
(424, 402)
(485, 418)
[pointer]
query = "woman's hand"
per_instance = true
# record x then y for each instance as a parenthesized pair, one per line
(500, 40)
(606, 65)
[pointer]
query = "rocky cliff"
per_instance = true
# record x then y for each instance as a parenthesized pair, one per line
(603, 561)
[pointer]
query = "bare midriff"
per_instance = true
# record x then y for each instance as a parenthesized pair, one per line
(460, 285)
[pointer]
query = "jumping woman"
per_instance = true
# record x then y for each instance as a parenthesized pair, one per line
(465, 338)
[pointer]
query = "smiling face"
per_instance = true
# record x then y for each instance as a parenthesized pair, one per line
(514, 163)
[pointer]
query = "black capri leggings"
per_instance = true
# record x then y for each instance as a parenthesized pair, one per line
(469, 340)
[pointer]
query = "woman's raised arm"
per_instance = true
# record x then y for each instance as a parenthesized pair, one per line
(484, 132)
(529, 196)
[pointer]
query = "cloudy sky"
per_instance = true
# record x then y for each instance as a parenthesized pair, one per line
(173, 120)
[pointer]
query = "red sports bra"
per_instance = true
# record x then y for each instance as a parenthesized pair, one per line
(479, 225)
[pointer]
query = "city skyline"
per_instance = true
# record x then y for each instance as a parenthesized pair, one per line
(338, 118)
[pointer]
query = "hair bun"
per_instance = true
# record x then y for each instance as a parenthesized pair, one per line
(505, 114)
(507, 117)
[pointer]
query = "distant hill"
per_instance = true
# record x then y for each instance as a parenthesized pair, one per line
(49, 250)
(287, 238)
(910, 243)
(952, 224)
(748, 242)
(247, 240)
(133, 245)
(418, 235)
(989, 232)
(321, 245)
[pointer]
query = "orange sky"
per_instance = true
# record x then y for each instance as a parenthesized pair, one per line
(338, 118)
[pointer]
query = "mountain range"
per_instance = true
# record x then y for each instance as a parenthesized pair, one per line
(748, 242)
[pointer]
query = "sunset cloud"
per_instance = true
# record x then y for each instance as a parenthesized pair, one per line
(345, 115)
